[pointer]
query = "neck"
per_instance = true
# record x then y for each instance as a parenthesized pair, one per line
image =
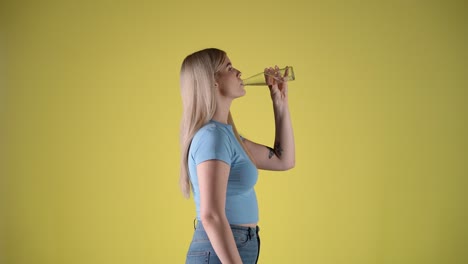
(222, 111)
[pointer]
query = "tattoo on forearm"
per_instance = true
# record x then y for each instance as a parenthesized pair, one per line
(271, 153)
(277, 150)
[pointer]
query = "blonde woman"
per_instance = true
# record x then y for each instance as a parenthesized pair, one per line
(218, 165)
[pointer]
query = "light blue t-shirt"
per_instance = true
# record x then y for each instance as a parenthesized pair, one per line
(216, 141)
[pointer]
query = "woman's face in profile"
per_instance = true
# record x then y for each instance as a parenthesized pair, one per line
(229, 82)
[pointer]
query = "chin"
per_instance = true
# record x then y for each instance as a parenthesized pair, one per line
(243, 93)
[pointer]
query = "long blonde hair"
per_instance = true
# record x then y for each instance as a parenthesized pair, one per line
(197, 87)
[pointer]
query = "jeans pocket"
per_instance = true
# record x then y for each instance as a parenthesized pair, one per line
(198, 257)
(241, 238)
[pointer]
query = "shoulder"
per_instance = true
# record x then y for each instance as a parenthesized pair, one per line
(210, 142)
(211, 131)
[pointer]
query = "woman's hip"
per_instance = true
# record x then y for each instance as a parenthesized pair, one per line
(246, 238)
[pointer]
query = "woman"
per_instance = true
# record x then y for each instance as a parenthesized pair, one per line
(220, 166)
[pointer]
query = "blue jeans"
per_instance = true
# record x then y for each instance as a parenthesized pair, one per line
(247, 241)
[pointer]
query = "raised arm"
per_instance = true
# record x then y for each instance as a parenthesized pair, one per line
(282, 155)
(212, 179)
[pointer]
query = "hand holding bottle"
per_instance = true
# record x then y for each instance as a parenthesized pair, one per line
(277, 82)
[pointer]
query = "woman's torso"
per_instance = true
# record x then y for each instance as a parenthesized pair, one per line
(217, 141)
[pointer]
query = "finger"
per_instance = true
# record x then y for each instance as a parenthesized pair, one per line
(271, 73)
(277, 73)
(268, 77)
(274, 88)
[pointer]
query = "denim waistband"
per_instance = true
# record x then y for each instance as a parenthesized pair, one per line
(252, 231)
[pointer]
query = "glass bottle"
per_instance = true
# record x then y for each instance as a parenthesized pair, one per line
(259, 78)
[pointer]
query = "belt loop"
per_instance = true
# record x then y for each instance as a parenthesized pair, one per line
(194, 220)
(250, 233)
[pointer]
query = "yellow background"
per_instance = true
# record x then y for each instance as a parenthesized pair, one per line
(90, 110)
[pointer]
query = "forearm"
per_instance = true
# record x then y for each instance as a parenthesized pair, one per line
(221, 238)
(284, 147)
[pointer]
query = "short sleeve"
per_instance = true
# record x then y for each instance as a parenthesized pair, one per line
(212, 144)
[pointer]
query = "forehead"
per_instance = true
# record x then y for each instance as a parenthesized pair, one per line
(226, 61)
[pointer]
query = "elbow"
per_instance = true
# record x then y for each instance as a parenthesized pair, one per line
(289, 164)
(209, 218)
